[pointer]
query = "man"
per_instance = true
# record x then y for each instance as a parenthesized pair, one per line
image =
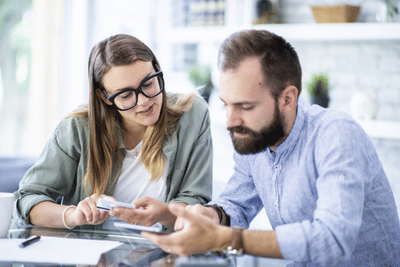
(314, 170)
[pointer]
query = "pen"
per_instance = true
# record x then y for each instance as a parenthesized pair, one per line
(29, 241)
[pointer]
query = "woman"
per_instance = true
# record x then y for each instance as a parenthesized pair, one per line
(132, 143)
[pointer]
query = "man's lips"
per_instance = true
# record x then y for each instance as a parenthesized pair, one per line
(240, 135)
(239, 131)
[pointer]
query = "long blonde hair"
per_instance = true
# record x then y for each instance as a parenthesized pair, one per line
(105, 122)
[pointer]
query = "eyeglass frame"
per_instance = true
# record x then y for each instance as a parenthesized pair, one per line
(138, 90)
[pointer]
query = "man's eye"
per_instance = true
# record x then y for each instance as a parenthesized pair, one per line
(247, 107)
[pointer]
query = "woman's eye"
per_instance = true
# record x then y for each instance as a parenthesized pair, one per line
(126, 94)
(147, 85)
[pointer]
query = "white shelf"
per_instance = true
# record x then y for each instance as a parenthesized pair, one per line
(239, 17)
(336, 31)
(294, 32)
(381, 129)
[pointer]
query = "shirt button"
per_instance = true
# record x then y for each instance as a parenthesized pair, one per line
(276, 167)
(275, 205)
(341, 177)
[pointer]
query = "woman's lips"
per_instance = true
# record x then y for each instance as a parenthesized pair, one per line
(146, 111)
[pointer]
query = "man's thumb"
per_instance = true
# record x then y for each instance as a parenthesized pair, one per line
(179, 210)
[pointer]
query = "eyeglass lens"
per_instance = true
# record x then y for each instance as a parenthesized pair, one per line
(150, 88)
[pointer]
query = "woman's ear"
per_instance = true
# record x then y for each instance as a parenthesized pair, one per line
(103, 97)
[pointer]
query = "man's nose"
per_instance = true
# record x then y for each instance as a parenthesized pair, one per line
(233, 118)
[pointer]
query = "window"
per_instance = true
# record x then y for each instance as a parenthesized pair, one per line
(16, 19)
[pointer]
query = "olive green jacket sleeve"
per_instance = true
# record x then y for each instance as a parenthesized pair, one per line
(60, 169)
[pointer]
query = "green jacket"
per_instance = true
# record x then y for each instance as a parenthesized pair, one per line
(61, 167)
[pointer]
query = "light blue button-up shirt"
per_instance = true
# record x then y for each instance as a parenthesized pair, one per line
(324, 190)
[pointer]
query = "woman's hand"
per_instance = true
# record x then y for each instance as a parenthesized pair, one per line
(147, 212)
(86, 212)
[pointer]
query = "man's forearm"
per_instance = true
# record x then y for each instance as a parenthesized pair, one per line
(261, 243)
(256, 243)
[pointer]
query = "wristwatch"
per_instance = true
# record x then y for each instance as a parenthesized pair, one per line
(236, 248)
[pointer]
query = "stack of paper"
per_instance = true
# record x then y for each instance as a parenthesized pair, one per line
(56, 250)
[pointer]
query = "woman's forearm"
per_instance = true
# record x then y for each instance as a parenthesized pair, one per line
(47, 214)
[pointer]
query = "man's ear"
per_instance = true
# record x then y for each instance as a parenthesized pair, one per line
(288, 98)
(103, 97)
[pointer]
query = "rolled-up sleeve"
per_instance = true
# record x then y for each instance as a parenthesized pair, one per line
(343, 166)
(56, 171)
(240, 199)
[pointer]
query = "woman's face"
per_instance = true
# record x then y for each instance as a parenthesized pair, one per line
(147, 110)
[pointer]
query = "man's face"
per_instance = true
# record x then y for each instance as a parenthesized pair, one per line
(253, 116)
(258, 141)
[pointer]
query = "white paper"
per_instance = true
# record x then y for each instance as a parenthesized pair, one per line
(56, 250)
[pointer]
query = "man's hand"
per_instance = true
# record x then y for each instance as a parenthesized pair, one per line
(197, 209)
(199, 233)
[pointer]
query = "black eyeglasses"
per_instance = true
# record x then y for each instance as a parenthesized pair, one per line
(150, 87)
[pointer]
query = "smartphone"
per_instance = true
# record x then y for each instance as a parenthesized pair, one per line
(105, 204)
(155, 228)
(203, 262)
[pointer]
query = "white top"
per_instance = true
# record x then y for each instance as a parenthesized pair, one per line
(134, 180)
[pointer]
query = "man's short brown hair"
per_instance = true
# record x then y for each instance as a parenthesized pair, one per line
(279, 61)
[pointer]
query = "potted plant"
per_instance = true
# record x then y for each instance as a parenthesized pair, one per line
(200, 76)
(318, 89)
(388, 10)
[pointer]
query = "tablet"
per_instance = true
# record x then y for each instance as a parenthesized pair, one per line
(155, 228)
(105, 204)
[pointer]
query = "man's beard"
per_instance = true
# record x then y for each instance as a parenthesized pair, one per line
(258, 141)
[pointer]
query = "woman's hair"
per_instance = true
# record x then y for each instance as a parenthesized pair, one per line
(279, 61)
(105, 121)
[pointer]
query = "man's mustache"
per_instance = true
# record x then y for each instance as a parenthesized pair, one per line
(240, 130)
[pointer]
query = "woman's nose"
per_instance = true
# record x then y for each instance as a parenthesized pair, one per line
(142, 99)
